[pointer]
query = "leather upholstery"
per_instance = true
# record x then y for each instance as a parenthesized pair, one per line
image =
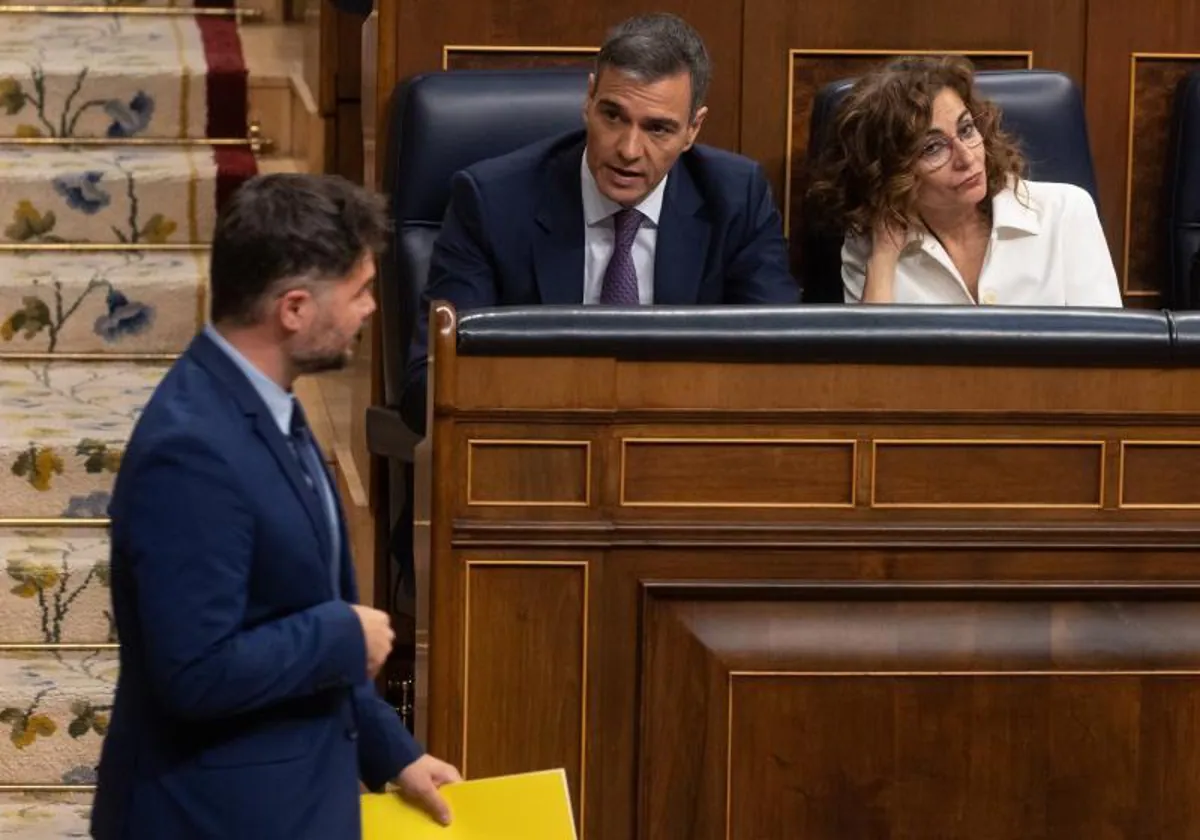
(438, 124)
(1183, 197)
(1043, 109)
(1185, 336)
(961, 335)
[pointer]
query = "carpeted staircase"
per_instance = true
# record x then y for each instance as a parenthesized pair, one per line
(102, 281)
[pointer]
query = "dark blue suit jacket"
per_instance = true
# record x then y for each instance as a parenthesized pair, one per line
(242, 708)
(513, 235)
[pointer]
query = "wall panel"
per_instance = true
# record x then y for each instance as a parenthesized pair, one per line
(1136, 54)
(540, 28)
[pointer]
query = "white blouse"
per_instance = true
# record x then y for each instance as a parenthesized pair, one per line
(1047, 248)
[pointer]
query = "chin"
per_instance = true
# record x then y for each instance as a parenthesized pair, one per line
(322, 364)
(627, 196)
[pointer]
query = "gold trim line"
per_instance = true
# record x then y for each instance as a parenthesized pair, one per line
(103, 247)
(447, 49)
(53, 522)
(47, 788)
(134, 11)
(52, 646)
(129, 141)
(89, 357)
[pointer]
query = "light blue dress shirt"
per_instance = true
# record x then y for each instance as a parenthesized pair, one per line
(281, 404)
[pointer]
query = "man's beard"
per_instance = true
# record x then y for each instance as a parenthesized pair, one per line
(320, 359)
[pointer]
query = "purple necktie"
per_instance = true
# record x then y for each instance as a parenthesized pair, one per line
(620, 278)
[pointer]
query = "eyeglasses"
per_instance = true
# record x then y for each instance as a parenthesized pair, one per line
(937, 152)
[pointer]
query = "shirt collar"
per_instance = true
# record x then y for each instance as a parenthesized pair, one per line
(1010, 211)
(597, 206)
(278, 401)
(1015, 211)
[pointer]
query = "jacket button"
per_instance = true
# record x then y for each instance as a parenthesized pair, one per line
(989, 297)
(352, 734)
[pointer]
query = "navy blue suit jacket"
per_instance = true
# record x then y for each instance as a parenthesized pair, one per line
(243, 707)
(513, 235)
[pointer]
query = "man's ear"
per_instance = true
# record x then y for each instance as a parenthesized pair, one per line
(694, 129)
(591, 94)
(292, 309)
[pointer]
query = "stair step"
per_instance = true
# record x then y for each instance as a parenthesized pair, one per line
(54, 711)
(44, 815)
(121, 76)
(279, 99)
(58, 587)
(136, 302)
(63, 427)
(125, 195)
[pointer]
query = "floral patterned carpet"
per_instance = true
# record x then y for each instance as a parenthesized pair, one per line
(102, 281)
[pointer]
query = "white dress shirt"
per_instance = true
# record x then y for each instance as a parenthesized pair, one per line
(598, 234)
(1046, 249)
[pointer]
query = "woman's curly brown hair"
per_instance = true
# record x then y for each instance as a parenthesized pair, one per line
(867, 173)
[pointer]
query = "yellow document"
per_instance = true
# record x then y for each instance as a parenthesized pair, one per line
(526, 806)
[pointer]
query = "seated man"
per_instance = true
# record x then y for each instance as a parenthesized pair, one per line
(629, 211)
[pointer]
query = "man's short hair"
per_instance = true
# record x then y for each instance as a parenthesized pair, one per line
(653, 46)
(286, 227)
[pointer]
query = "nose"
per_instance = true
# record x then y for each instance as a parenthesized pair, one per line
(962, 153)
(629, 145)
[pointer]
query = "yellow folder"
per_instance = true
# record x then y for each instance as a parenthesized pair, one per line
(526, 806)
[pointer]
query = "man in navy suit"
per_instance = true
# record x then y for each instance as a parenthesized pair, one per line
(629, 211)
(244, 705)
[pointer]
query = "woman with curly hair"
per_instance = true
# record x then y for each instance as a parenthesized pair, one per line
(932, 198)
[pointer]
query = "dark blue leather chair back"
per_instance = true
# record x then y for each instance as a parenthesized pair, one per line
(440, 123)
(1042, 109)
(1183, 196)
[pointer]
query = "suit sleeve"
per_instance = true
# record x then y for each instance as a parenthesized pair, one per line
(188, 540)
(1091, 278)
(386, 746)
(759, 272)
(461, 272)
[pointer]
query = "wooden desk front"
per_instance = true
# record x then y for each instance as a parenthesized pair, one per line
(828, 602)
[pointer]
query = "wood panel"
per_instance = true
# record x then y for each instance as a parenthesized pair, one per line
(999, 636)
(420, 33)
(696, 472)
(515, 58)
(1153, 80)
(1136, 51)
(525, 698)
(953, 708)
(1053, 30)
(987, 474)
(1159, 474)
(529, 473)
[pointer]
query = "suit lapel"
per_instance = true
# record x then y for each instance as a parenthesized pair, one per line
(559, 237)
(265, 428)
(213, 359)
(682, 245)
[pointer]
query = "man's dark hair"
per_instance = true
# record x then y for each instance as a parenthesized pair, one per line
(654, 46)
(287, 227)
